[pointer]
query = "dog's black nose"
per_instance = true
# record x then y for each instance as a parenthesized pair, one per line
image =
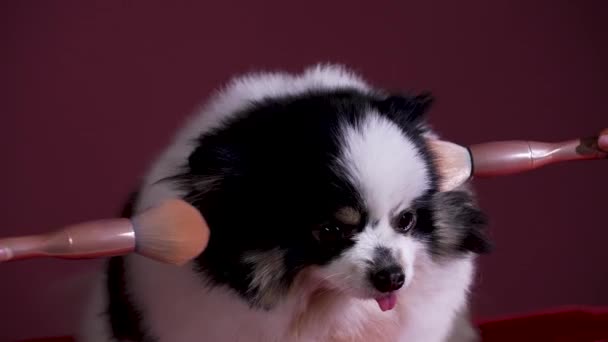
(388, 279)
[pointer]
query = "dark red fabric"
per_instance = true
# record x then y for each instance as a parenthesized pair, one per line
(564, 325)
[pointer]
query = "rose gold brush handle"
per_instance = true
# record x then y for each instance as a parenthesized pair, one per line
(80, 241)
(509, 157)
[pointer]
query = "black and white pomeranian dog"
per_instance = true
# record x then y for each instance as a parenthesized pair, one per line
(327, 223)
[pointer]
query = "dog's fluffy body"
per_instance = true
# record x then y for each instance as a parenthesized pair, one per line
(274, 161)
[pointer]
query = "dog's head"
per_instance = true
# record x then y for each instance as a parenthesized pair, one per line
(338, 181)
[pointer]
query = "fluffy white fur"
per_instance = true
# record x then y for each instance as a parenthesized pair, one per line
(330, 303)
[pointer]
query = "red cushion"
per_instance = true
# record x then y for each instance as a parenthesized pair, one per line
(565, 325)
(568, 324)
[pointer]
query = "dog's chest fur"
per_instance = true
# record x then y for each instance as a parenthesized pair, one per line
(178, 309)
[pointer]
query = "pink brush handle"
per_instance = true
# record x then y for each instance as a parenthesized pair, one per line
(509, 157)
(80, 241)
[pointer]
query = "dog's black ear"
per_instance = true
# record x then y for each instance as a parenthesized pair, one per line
(200, 161)
(407, 111)
(474, 223)
(477, 242)
(460, 225)
(206, 168)
(211, 158)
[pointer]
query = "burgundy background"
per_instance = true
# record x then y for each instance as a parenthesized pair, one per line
(90, 91)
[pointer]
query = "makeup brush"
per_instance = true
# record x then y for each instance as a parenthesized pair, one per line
(174, 232)
(457, 164)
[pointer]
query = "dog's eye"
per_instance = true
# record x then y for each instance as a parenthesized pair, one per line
(406, 221)
(333, 233)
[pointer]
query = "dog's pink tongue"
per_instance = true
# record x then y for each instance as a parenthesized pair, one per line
(388, 302)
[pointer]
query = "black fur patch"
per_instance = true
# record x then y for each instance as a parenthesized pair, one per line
(270, 177)
(452, 223)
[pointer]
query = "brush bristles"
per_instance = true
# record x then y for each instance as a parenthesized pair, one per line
(453, 163)
(174, 232)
